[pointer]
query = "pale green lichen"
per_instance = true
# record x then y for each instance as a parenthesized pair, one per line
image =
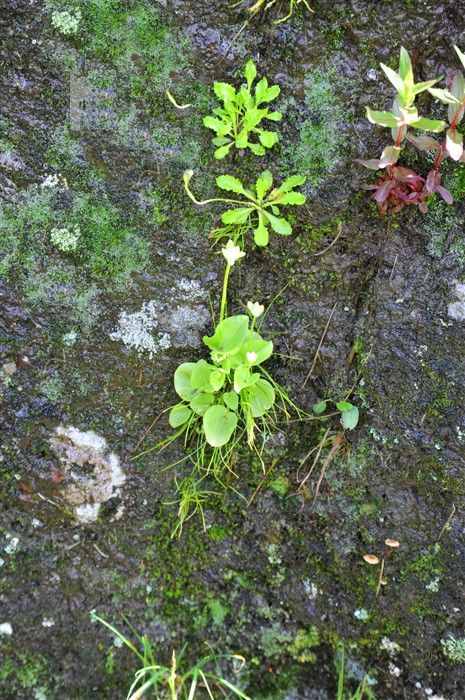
(67, 23)
(454, 649)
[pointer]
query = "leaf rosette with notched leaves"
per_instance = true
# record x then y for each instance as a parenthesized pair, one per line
(238, 122)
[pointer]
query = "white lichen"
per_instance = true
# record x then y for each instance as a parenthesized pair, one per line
(65, 239)
(454, 649)
(65, 22)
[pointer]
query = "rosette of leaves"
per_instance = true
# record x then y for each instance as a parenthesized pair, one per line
(454, 97)
(238, 122)
(260, 209)
(230, 396)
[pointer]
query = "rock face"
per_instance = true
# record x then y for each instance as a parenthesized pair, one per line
(90, 338)
(91, 474)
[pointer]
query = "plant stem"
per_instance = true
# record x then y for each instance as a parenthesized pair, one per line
(224, 296)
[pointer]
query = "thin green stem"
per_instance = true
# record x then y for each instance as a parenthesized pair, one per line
(224, 296)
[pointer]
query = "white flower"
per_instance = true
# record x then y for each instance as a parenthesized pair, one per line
(232, 253)
(6, 629)
(255, 308)
(251, 356)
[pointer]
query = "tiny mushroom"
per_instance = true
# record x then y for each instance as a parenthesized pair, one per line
(394, 544)
(371, 559)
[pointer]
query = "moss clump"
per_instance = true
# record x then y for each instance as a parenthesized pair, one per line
(21, 671)
(320, 139)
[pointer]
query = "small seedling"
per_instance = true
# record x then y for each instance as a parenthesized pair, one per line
(240, 117)
(373, 560)
(349, 413)
(401, 186)
(177, 681)
(258, 211)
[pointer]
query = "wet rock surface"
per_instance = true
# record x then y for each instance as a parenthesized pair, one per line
(394, 292)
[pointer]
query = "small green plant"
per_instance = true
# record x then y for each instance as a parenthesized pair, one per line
(402, 186)
(241, 115)
(225, 401)
(454, 649)
(258, 211)
(349, 413)
(176, 681)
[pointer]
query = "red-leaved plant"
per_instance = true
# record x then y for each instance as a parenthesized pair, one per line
(399, 186)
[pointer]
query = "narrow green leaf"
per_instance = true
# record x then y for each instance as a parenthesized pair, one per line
(291, 182)
(292, 198)
(434, 125)
(444, 96)
(405, 67)
(279, 224)
(250, 72)
(260, 234)
(274, 116)
(236, 216)
(223, 151)
(393, 77)
(426, 85)
(263, 184)
(382, 118)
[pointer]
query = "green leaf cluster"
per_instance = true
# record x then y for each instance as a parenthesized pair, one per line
(231, 390)
(237, 122)
(404, 113)
(349, 413)
(262, 210)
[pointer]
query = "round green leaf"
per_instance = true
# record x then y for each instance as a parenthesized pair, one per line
(219, 424)
(261, 397)
(349, 419)
(182, 381)
(179, 414)
(200, 403)
(319, 407)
